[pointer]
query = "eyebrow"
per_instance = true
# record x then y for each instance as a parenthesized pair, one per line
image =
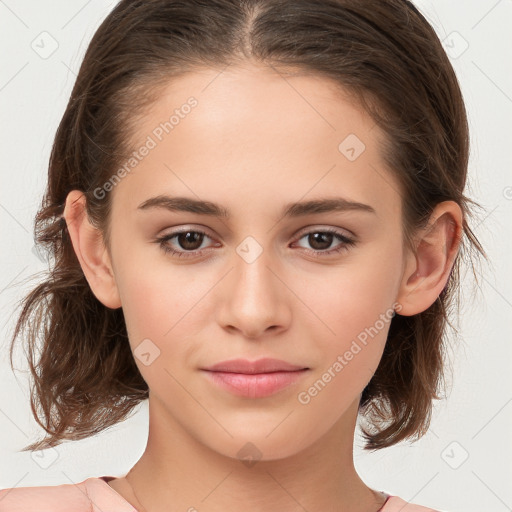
(298, 209)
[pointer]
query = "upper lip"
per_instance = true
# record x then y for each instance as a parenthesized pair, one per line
(265, 365)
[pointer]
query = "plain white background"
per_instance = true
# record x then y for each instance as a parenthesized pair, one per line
(464, 463)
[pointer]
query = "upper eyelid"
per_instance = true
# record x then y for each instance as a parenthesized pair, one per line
(315, 229)
(176, 230)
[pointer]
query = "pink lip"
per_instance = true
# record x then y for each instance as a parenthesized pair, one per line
(255, 379)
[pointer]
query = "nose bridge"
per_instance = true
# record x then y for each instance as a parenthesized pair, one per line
(254, 300)
(253, 278)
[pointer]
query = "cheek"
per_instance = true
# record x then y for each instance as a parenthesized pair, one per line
(159, 320)
(165, 303)
(354, 306)
(356, 293)
(147, 299)
(349, 342)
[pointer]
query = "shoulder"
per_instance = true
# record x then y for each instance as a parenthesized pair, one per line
(91, 495)
(51, 498)
(397, 504)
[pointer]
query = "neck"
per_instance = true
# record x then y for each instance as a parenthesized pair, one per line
(177, 472)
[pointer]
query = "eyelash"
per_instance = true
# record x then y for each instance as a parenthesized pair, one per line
(344, 246)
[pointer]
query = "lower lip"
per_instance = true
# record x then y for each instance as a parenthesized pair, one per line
(255, 386)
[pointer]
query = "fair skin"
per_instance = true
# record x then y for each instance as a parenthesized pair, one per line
(254, 143)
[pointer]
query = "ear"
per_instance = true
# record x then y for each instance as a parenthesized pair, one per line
(91, 251)
(426, 271)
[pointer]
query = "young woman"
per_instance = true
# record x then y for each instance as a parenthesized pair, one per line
(256, 212)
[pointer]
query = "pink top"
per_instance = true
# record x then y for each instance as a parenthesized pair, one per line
(95, 495)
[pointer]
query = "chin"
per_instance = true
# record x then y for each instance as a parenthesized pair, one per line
(266, 444)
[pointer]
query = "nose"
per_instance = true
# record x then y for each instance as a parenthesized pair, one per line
(253, 298)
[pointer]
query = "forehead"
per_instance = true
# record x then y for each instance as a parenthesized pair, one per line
(254, 133)
(259, 99)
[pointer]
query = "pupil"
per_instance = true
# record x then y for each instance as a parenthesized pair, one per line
(186, 240)
(315, 237)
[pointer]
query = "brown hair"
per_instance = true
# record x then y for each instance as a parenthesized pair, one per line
(384, 52)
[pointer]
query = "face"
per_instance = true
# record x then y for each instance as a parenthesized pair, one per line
(314, 287)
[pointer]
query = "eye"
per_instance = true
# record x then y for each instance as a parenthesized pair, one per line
(190, 241)
(322, 239)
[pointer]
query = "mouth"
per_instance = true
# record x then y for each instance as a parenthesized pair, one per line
(256, 379)
(264, 365)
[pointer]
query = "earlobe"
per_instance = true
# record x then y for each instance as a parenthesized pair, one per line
(90, 250)
(426, 272)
